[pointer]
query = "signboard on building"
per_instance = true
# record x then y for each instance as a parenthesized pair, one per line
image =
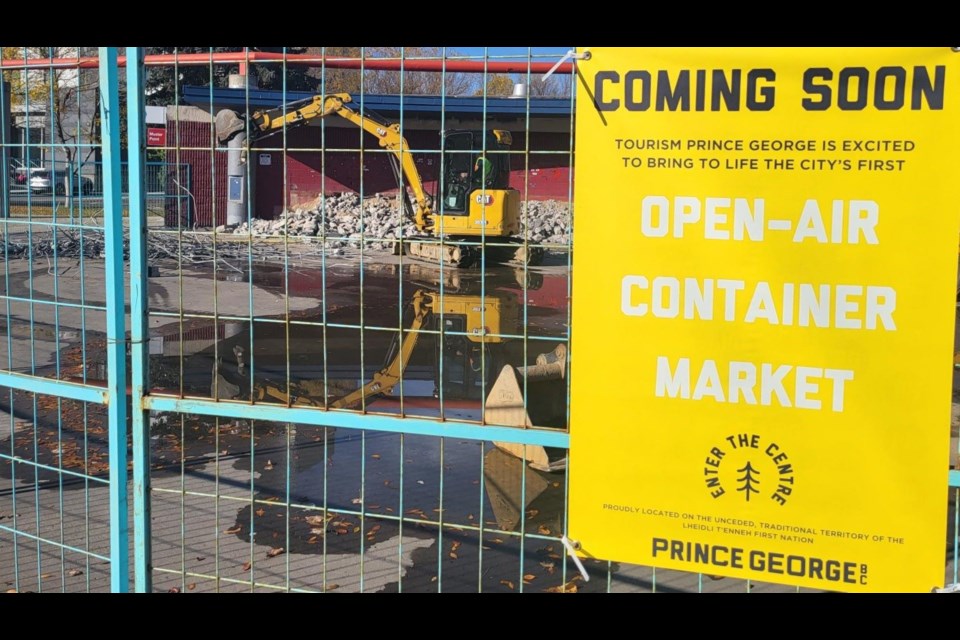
(766, 256)
(155, 115)
(156, 137)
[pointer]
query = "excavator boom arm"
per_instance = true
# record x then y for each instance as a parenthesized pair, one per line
(298, 113)
(387, 378)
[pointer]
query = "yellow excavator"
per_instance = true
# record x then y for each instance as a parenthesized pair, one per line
(478, 213)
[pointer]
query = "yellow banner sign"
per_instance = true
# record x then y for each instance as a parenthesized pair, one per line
(766, 254)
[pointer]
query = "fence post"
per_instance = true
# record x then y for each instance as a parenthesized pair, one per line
(116, 328)
(139, 337)
(4, 150)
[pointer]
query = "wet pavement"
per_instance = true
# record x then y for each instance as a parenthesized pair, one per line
(449, 511)
(265, 506)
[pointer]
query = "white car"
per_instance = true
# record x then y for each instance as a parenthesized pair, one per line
(40, 180)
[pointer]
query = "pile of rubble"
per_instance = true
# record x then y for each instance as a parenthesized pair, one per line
(339, 220)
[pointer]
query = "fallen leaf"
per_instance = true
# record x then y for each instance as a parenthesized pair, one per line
(342, 531)
(420, 482)
(356, 529)
(555, 556)
(470, 516)
(507, 583)
(543, 530)
(43, 576)
(433, 578)
(173, 590)
(75, 572)
(373, 506)
(260, 512)
(532, 513)
(317, 531)
(191, 586)
(331, 587)
(549, 566)
(200, 558)
(569, 587)
(496, 540)
(389, 510)
(314, 520)
(375, 456)
(356, 501)
(232, 531)
(455, 545)
(273, 553)
(373, 529)
(246, 566)
(453, 555)
(268, 466)
(312, 540)
(528, 577)
(11, 590)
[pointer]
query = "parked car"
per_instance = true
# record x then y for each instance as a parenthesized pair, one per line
(21, 175)
(40, 182)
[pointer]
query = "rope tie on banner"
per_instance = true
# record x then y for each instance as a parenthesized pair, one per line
(572, 547)
(567, 56)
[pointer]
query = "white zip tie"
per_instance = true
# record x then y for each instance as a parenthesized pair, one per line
(571, 548)
(570, 54)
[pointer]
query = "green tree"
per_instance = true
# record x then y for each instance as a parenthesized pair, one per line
(164, 83)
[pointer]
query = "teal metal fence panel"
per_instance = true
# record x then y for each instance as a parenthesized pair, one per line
(316, 399)
(63, 524)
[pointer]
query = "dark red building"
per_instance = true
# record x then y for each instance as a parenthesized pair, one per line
(332, 155)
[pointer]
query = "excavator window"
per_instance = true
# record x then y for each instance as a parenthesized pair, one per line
(458, 172)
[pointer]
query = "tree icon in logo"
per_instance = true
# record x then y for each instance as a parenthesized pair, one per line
(748, 482)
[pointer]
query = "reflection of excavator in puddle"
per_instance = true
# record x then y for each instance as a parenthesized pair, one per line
(477, 339)
(476, 205)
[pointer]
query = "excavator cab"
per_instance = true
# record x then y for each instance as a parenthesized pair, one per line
(470, 164)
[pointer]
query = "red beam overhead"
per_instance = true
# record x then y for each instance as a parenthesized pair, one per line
(298, 59)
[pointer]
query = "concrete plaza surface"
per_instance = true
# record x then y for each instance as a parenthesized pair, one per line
(273, 506)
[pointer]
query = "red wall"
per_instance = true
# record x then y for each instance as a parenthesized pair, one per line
(190, 144)
(306, 171)
(339, 169)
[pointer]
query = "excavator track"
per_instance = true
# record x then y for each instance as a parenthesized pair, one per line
(465, 256)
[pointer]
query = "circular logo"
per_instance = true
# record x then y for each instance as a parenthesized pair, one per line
(750, 467)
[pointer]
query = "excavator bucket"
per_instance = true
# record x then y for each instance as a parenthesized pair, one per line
(516, 492)
(531, 396)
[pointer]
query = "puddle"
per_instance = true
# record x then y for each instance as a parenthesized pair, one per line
(459, 330)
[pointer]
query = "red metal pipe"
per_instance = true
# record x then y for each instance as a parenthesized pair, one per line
(298, 59)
